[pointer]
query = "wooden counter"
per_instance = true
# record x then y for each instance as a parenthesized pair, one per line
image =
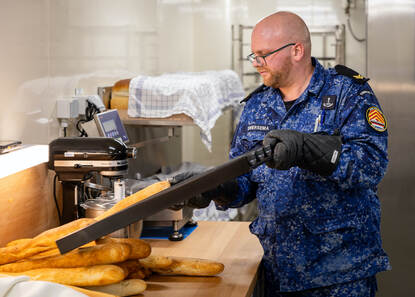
(230, 243)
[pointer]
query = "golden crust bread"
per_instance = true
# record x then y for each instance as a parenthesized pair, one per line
(97, 275)
(17, 252)
(53, 252)
(119, 102)
(134, 198)
(192, 267)
(134, 269)
(156, 262)
(96, 255)
(18, 241)
(139, 248)
(121, 87)
(124, 288)
(43, 242)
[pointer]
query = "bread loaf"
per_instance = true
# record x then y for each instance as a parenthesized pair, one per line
(95, 255)
(134, 269)
(19, 241)
(134, 198)
(119, 102)
(53, 252)
(17, 252)
(124, 288)
(139, 248)
(121, 87)
(192, 267)
(81, 276)
(156, 262)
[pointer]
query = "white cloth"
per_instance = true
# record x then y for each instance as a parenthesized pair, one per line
(210, 213)
(200, 95)
(22, 286)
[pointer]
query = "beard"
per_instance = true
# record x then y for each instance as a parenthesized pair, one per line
(276, 78)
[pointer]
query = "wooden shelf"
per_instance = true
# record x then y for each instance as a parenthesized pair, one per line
(175, 120)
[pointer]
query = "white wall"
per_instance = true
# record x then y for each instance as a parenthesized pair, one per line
(51, 47)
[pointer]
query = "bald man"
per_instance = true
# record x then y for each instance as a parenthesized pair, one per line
(319, 212)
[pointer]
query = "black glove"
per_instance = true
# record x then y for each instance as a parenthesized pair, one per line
(317, 152)
(223, 194)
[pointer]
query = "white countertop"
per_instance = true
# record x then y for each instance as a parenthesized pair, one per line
(23, 158)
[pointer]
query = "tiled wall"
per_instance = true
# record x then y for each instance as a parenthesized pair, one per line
(51, 47)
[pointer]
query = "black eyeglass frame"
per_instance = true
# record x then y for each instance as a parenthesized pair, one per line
(251, 57)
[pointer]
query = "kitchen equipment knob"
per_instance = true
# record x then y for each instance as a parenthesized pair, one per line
(131, 152)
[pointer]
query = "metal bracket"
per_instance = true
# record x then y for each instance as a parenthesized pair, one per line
(170, 134)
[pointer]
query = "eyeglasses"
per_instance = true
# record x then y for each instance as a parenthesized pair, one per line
(261, 59)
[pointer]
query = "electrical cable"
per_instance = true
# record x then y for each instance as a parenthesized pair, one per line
(349, 26)
(90, 111)
(56, 200)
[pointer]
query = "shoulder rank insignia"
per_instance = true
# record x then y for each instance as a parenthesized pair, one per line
(376, 119)
(346, 71)
(257, 90)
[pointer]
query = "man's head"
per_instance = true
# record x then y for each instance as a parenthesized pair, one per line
(281, 68)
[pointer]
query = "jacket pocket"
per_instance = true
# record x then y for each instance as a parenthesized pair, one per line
(252, 139)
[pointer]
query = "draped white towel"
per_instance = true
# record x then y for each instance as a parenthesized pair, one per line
(200, 95)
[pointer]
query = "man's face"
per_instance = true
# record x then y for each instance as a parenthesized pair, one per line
(275, 74)
(277, 66)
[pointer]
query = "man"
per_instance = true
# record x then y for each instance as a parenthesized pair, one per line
(319, 214)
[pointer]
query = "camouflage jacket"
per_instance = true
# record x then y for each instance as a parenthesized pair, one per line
(317, 231)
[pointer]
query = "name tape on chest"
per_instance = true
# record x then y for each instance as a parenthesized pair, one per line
(258, 128)
(376, 119)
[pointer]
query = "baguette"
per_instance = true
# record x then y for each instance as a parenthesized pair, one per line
(97, 275)
(156, 262)
(133, 269)
(41, 243)
(47, 240)
(53, 252)
(134, 198)
(95, 255)
(191, 267)
(19, 251)
(139, 248)
(19, 241)
(123, 288)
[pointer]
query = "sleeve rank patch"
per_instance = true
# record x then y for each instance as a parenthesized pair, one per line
(376, 119)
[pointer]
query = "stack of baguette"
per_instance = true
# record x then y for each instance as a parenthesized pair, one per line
(115, 266)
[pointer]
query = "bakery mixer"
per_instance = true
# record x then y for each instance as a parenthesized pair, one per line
(85, 164)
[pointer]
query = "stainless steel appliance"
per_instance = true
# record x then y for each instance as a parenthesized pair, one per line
(82, 163)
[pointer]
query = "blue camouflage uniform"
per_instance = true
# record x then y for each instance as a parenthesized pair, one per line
(317, 231)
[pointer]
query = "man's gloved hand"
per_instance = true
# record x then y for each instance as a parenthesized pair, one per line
(222, 194)
(316, 152)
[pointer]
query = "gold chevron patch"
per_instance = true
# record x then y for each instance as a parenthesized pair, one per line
(376, 119)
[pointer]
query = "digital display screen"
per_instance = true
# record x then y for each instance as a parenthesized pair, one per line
(109, 125)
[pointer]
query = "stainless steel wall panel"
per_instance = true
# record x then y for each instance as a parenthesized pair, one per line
(391, 66)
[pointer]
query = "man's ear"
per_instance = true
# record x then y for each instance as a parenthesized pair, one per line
(298, 51)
